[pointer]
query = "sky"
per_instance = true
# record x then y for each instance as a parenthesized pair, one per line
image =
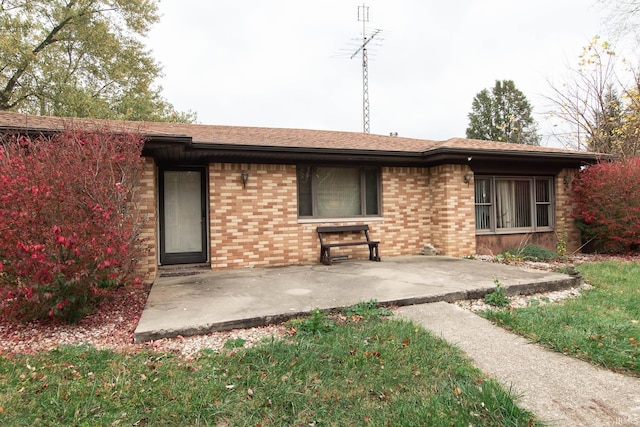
(286, 63)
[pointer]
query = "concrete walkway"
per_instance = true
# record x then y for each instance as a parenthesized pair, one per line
(183, 303)
(559, 389)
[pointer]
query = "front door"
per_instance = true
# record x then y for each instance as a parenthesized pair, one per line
(183, 233)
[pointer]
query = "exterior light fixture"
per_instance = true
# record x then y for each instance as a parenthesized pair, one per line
(244, 177)
(468, 177)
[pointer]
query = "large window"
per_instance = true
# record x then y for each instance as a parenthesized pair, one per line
(505, 204)
(338, 191)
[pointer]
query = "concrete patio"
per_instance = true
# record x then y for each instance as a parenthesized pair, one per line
(190, 302)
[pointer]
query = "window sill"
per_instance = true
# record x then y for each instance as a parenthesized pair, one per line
(342, 219)
(513, 231)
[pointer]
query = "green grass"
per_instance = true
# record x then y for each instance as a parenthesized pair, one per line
(601, 326)
(367, 372)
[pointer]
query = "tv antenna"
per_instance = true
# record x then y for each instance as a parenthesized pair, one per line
(363, 16)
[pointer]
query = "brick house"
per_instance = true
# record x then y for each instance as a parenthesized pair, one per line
(248, 197)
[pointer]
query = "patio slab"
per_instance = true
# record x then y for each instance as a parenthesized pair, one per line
(192, 302)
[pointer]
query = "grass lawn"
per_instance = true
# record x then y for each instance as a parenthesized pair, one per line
(360, 370)
(601, 326)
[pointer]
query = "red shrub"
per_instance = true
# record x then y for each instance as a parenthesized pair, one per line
(68, 221)
(607, 197)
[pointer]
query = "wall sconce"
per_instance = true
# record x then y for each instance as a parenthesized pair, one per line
(468, 177)
(244, 177)
(568, 179)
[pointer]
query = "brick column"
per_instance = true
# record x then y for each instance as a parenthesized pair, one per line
(452, 210)
(565, 225)
(148, 264)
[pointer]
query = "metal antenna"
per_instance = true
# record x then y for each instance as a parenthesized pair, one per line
(363, 16)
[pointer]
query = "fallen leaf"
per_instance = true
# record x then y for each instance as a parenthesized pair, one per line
(457, 391)
(406, 342)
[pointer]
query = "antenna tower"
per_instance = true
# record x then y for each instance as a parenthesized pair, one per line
(363, 16)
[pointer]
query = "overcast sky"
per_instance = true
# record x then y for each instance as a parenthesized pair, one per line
(285, 63)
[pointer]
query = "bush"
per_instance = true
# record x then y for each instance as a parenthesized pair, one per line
(68, 221)
(608, 205)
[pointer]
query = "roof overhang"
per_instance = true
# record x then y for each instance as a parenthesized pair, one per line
(182, 149)
(165, 149)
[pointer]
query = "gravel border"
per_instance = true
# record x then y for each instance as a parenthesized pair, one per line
(112, 325)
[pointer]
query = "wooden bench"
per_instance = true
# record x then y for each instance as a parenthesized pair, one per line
(325, 248)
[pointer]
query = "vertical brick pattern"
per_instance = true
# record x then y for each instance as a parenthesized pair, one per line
(565, 224)
(148, 265)
(452, 210)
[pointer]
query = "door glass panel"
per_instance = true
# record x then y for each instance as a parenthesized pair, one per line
(183, 211)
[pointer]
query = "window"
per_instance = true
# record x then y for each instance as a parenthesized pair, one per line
(338, 191)
(506, 204)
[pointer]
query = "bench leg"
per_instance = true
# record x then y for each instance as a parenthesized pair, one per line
(373, 253)
(325, 256)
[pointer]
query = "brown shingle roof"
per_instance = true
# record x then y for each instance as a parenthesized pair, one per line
(204, 135)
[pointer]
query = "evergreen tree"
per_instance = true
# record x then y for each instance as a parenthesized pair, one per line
(504, 114)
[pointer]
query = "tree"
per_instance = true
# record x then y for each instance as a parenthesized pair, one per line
(599, 106)
(81, 58)
(607, 205)
(504, 114)
(623, 17)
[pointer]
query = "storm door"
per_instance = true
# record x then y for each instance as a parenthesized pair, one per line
(183, 233)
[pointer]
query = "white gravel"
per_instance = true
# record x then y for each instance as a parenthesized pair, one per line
(518, 301)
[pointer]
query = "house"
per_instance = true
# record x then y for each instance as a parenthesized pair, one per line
(247, 197)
